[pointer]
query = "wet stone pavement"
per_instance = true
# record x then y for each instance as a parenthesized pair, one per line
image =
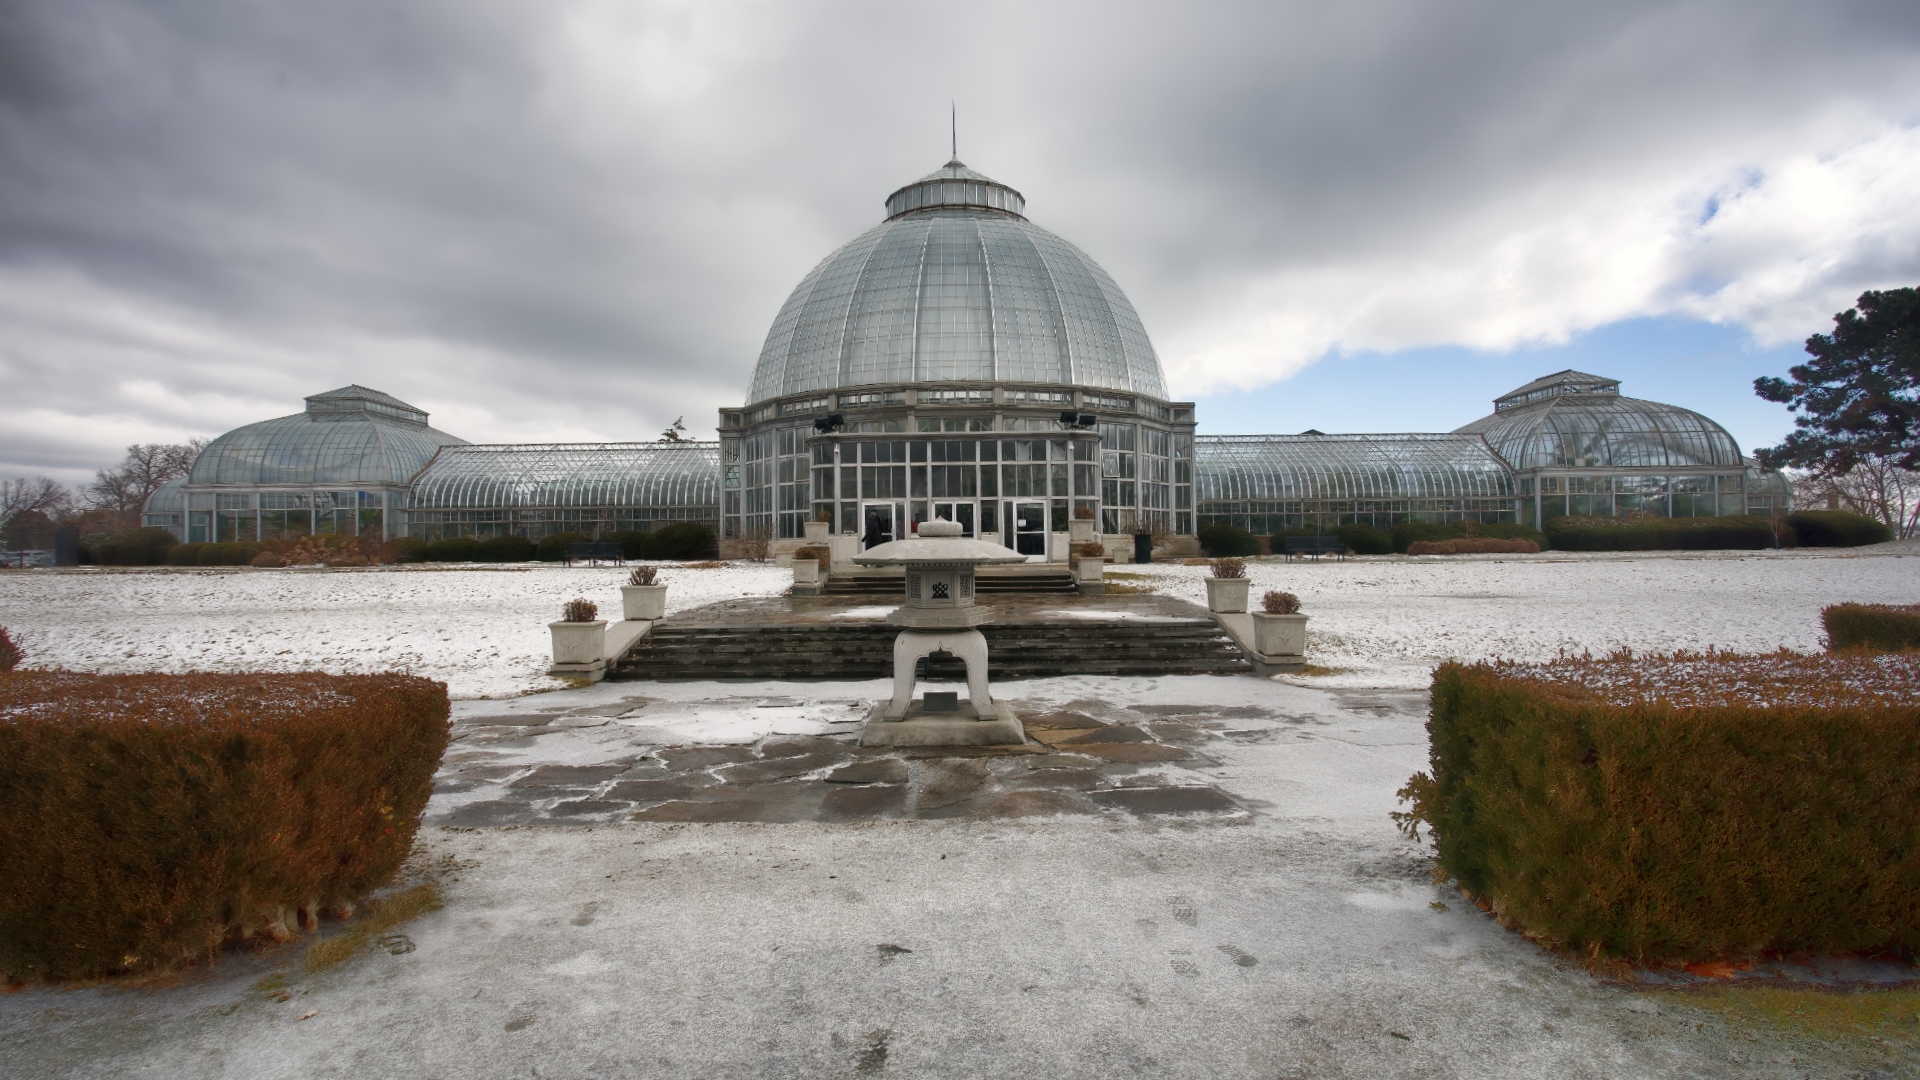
(633, 760)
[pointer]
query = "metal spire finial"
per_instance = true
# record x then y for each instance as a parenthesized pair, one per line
(953, 120)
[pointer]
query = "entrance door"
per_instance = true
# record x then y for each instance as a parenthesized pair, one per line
(1029, 521)
(961, 513)
(876, 526)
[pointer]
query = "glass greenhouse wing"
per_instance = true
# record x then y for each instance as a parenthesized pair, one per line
(531, 476)
(1341, 468)
(1605, 431)
(318, 447)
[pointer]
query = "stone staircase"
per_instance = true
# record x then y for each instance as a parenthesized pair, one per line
(864, 650)
(891, 581)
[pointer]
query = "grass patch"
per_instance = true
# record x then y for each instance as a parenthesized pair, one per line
(380, 917)
(1120, 581)
(1889, 1017)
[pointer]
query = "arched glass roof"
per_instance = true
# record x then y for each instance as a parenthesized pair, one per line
(350, 436)
(1558, 426)
(168, 498)
(1234, 468)
(956, 288)
(559, 475)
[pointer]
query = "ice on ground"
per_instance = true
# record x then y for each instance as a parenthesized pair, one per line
(873, 612)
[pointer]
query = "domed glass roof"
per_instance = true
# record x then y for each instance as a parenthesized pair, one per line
(956, 286)
(348, 436)
(1575, 420)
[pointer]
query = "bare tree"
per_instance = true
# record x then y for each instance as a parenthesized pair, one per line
(28, 508)
(1874, 487)
(124, 488)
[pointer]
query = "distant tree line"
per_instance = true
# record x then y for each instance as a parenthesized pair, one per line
(30, 509)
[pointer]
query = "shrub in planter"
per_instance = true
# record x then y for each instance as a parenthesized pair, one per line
(1364, 539)
(1837, 528)
(150, 819)
(1279, 603)
(1686, 807)
(579, 610)
(1879, 627)
(554, 547)
(682, 541)
(1228, 541)
(184, 554)
(499, 549)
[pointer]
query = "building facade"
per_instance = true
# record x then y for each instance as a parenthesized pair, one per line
(957, 361)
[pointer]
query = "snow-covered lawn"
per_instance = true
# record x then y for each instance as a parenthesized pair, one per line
(1381, 622)
(1385, 622)
(481, 629)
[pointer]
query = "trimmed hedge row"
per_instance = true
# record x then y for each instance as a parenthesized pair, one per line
(1736, 532)
(1837, 528)
(134, 547)
(1228, 541)
(1882, 627)
(681, 541)
(1672, 809)
(221, 554)
(150, 819)
(1408, 533)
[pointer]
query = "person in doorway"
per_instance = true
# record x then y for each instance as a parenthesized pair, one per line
(876, 533)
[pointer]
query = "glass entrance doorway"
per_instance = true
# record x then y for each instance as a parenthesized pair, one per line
(877, 524)
(1028, 524)
(960, 513)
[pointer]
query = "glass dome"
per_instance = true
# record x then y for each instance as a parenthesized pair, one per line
(956, 286)
(1580, 421)
(352, 436)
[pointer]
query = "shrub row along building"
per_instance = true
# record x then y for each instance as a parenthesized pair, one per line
(958, 361)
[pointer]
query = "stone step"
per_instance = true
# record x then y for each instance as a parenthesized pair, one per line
(1032, 578)
(865, 651)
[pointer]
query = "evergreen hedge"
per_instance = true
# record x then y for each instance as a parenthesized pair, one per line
(1363, 539)
(1879, 627)
(682, 540)
(1735, 532)
(553, 547)
(229, 553)
(1407, 533)
(184, 554)
(150, 819)
(1837, 528)
(134, 547)
(1673, 809)
(1228, 541)
(450, 549)
(502, 549)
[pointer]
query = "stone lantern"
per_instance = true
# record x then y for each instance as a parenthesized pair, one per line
(940, 616)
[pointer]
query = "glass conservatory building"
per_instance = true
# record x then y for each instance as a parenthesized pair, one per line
(340, 467)
(957, 361)
(535, 490)
(1267, 483)
(1578, 447)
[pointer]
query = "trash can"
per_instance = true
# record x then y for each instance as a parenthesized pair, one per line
(1142, 547)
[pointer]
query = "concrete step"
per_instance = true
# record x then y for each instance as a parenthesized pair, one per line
(1031, 578)
(865, 651)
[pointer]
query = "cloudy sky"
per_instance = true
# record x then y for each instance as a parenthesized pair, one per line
(568, 219)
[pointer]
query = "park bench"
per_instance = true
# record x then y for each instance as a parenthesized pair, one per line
(595, 553)
(1315, 546)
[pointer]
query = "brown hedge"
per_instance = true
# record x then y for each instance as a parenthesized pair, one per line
(1884, 627)
(1672, 809)
(150, 819)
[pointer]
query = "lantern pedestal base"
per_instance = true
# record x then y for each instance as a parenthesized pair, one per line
(961, 727)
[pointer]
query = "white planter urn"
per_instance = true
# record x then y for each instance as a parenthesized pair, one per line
(806, 571)
(1279, 635)
(579, 643)
(642, 602)
(1088, 571)
(1081, 531)
(816, 531)
(1227, 596)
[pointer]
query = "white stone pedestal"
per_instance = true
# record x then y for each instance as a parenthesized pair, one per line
(980, 721)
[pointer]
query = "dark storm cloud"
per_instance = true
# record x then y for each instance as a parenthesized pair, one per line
(575, 220)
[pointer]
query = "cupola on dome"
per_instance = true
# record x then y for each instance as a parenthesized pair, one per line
(956, 285)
